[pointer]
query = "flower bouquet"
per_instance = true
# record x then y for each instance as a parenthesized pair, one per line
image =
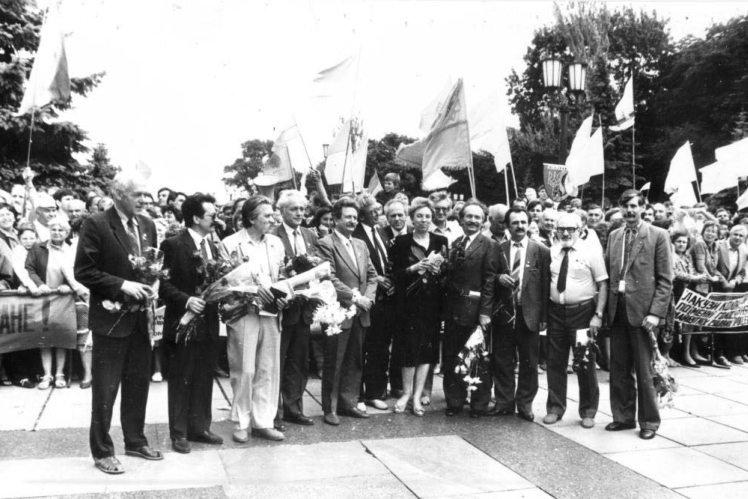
(301, 263)
(436, 262)
(583, 350)
(329, 313)
(148, 269)
(664, 384)
(472, 361)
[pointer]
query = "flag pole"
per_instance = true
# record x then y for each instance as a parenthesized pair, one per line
(303, 144)
(471, 170)
(506, 184)
(633, 155)
(514, 180)
(293, 172)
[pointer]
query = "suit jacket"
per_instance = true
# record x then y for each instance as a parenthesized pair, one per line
(536, 282)
(179, 258)
(649, 280)
(347, 276)
(295, 311)
(723, 261)
(360, 233)
(389, 234)
(475, 272)
(102, 264)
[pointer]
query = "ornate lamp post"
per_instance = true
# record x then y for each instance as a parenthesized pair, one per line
(553, 69)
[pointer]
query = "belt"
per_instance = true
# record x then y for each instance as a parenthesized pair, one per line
(575, 305)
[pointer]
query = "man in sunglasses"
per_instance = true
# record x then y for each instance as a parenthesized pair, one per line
(578, 274)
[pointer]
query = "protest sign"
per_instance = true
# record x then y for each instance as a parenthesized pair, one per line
(34, 322)
(716, 310)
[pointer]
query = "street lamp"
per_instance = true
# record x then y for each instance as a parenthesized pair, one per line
(553, 69)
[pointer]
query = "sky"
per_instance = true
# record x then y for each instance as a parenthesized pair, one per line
(189, 80)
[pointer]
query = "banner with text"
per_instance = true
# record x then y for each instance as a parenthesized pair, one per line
(553, 178)
(33, 322)
(716, 310)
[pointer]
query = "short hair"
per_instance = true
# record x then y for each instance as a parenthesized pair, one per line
(61, 193)
(473, 202)
(542, 188)
(609, 214)
(393, 177)
(532, 204)
(439, 196)
(251, 208)
(290, 196)
(26, 227)
(739, 227)
(124, 181)
(193, 207)
(630, 194)
(321, 212)
(497, 209)
(550, 212)
(177, 194)
(340, 204)
(10, 208)
(594, 207)
(680, 233)
(548, 203)
(722, 209)
(707, 224)
(170, 209)
(90, 201)
(418, 203)
(365, 202)
(60, 222)
(576, 201)
(158, 192)
(388, 206)
(577, 219)
(512, 210)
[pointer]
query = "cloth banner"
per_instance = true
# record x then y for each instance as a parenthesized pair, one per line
(716, 310)
(554, 177)
(28, 322)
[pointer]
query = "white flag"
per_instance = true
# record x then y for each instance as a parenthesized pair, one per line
(646, 186)
(682, 170)
(336, 78)
(346, 157)
(743, 201)
(49, 80)
(576, 155)
(488, 131)
(716, 177)
(279, 163)
(733, 156)
(625, 109)
(588, 160)
(375, 186)
(437, 181)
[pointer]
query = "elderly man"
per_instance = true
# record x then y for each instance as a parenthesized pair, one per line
(578, 275)
(660, 212)
(731, 263)
(547, 232)
(45, 210)
(440, 225)
(297, 318)
(595, 215)
(377, 362)
(530, 194)
(121, 344)
(397, 219)
(639, 263)
(497, 227)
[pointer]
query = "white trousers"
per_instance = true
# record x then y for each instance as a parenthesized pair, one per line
(254, 360)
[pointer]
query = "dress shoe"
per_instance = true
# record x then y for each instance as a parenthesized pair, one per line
(745, 358)
(722, 362)
(551, 418)
(527, 416)
(298, 419)
(618, 426)
(206, 437)
(588, 423)
(647, 434)
(278, 425)
(378, 404)
(268, 434)
(181, 445)
(477, 414)
(501, 412)
(240, 436)
(332, 419)
(85, 384)
(738, 359)
(452, 411)
(220, 373)
(109, 465)
(354, 412)
(146, 453)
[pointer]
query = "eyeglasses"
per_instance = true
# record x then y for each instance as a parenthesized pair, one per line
(570, 230)
(441, 209)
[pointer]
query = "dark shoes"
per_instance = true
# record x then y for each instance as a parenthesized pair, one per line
(354, 413)
(477, 414)
(146, 453)
(527, 416)
(617, 426)
(181, 445)
(501, 412)
(452, 411)
(206, 437)
(647, 434)
(298, 419)
(278, 425)
(109, 465)
(332, 419)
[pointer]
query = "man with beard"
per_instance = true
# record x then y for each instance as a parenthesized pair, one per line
(522, 288)
(77, 214)
(469, 302)
(577, 275)
(648, 214)
(638, 259)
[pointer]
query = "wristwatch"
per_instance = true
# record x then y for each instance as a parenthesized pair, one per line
(599, 315)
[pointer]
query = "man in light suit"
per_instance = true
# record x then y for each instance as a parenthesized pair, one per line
(294, 354)
(190, 375)
(469, 301)
(523, 288)
(731, 260)
(638, 259)
(352, 270)
(121, 344)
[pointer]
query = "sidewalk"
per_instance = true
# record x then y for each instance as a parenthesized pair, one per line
(700, 451)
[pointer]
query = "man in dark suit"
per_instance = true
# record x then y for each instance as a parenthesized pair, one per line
(294, 352)
(523, 289)
(397, 220)
(377, 361)
(352, 270)
(121, 344)
(731, 261)
(190, 375)
(469, 301)
(638, 258)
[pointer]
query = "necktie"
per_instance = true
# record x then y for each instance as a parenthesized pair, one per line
(561, 284)
(349, 247)
(298, 243)
(204, 251)
(132, 233)
(380, 249)
(516, 270)
(627, 243)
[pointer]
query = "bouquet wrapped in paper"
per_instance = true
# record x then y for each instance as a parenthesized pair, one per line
(472, 360)
(329, 313)
(664, 383)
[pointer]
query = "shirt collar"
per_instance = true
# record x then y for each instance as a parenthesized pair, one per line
(125, 218)
(342, 237)
(289, 230)
(196, 237)
(522, 243)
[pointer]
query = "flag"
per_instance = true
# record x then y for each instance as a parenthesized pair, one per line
(330, 81)
(431, 111)
(682, 170)
(448, 143)
(743, 201)
(576, 155)
(375, 186)
(437, 181)
(586, 158)
(716, 177)
(49, 80)
(646, 186)
(625, 109)
(733, 156)
(488, 131)
(346, 157)
(279, 164)
(554, 177)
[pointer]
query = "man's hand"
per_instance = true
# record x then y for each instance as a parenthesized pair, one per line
(506, 281)
(64, 289)
(364, 303)
(595, 324)
(83, 294)
(265, 295)
(420, 267)
(384, 283)
(484, 321)
(282, 303)
(44, 289)
(651, 322)
(140, 292)
(196, 305)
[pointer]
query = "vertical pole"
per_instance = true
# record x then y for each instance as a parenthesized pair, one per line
(564, 113)
(506, 184)
(633, 155)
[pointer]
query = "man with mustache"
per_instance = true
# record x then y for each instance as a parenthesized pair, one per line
(638, 259)
(522, 289)
(577, 275)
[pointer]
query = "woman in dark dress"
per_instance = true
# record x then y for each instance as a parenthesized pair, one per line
(416, 271)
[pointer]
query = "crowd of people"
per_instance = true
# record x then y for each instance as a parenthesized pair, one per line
(422, 274)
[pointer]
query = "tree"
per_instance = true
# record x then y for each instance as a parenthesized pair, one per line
(249, 165)
(102, 170)
(53, 142)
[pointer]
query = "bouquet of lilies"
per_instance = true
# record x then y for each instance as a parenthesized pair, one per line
(472, 360)
(330, 313)
(583, 351)
(664, 383)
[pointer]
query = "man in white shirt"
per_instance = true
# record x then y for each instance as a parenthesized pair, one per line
(442, 207)
(397, 220)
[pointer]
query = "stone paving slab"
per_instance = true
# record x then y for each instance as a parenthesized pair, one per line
(698, 431)
(710, 405)
(367, 486)
(733, 453)
(721, 491)
(608, 442)
(534, 493)
(713, 385)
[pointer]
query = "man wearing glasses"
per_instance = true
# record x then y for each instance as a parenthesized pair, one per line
(577, 275)
(442, 206)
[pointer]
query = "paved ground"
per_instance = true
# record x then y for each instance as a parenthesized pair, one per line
(701, 451)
